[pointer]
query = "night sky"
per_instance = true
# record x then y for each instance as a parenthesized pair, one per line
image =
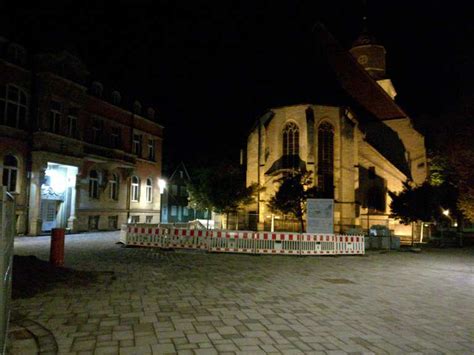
(211, 68)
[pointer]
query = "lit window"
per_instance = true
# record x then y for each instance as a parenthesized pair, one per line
(135, 188)
(13, 106)
(185, 211)
(137, 144)
(174, 211)
(291, 145)
(151, 149)
(10, 172)
(326, 159)
(93, 184)
(113, 192)
(149, 190)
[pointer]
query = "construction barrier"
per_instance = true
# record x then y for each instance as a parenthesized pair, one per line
(247, 242)
(349, 244)
(232, 241)
(181, 238)
(277, 243)
(317, 244)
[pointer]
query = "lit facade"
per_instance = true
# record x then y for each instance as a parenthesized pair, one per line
(356, 150)
(73, 156)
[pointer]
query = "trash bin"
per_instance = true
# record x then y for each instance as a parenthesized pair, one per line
(56, 254)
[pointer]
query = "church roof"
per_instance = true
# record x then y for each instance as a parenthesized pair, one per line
(355, 80)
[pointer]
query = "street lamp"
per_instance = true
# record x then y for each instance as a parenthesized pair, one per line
(162, 187)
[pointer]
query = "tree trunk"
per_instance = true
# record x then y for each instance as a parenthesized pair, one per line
(302, 225)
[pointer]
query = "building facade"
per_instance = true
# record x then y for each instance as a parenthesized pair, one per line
(175, 199)
(357, 150)
(73, 155)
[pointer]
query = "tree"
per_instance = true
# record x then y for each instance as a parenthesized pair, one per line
(220, 189)
(290, 198)
(413, 204)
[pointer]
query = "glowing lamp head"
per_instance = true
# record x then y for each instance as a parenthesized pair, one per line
(162, 185)
(446, 212)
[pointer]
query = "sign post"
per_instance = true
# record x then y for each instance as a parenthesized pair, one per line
(320, 215)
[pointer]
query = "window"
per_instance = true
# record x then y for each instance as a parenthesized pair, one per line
(148, 219)
(10, 172)
(55, 117)
(113, 183)
(135, 188)
(151, 149)
(113, 222)
(326, 159)
(115, 137)
(185, 211)
(72, 129)
(291, 146)
(174, 211)
(181, 175)
(135, 219)
(97, 128)
(13, 106)
(94, 222)
(183, 191)
(149, 190)
(174, 190)
(93, 184)
(97, 89)
(137, 144)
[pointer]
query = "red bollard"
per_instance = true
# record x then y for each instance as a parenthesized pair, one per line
(56, 254)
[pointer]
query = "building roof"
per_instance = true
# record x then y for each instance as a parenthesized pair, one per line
(355, 80)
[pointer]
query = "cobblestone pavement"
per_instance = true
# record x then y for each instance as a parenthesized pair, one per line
(146, 301)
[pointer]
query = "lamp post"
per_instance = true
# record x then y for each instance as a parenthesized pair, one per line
(162, 186)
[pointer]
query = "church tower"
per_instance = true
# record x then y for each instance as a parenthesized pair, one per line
(371, 56)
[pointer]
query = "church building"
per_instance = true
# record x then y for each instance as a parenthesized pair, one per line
(356, 141)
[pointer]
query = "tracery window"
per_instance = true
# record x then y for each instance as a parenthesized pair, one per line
(291, 145)
(326, 159)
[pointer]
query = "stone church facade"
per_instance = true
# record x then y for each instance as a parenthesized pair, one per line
(356, 150)
(72, 155)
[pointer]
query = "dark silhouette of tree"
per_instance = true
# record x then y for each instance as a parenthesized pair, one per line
(290, 198)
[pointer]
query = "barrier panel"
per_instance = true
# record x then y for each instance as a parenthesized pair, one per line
(147, 236)
(181, 238)
(349, 244)
(225, 241)
(317, 244)
(248, 242)
(277, 243)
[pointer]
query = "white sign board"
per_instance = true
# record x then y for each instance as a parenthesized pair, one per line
(320, 215)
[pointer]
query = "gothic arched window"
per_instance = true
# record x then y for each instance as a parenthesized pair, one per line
(291, 145)
(326, 159)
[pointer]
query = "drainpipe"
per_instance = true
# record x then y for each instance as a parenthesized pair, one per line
(258, 169)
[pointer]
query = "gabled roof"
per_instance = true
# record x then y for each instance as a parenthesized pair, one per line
(183, 167)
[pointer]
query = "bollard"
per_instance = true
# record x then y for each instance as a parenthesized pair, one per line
(56, 254)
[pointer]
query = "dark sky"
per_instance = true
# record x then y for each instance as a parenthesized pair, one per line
(211, 67)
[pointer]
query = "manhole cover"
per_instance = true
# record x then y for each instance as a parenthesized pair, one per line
(339, 281)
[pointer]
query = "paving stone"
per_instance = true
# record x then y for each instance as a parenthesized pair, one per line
(188, 302)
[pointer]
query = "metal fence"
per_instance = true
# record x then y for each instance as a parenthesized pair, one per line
(7, 230)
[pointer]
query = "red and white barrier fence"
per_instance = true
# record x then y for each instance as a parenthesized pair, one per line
(317, 244)
(247, 242)
(224, 241)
